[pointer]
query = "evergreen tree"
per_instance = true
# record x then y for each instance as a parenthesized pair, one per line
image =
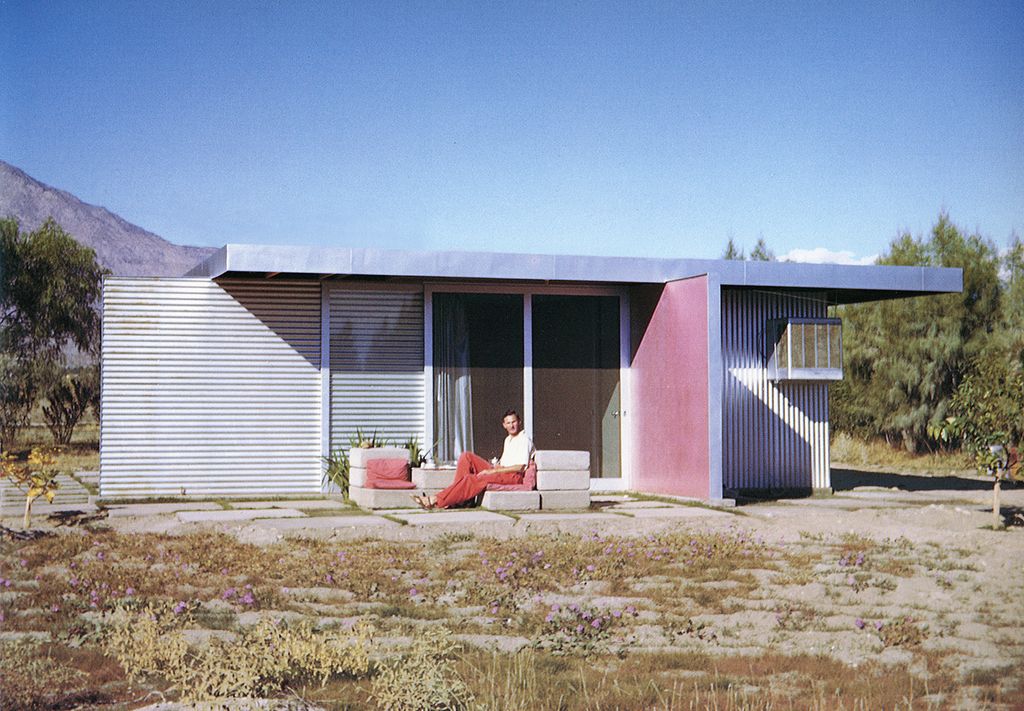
(733, 252)
(905, 358)
(761, 253)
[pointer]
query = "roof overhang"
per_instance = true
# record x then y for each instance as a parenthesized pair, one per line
(843, 283)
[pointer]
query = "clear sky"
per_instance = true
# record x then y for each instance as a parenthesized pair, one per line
(642, 129)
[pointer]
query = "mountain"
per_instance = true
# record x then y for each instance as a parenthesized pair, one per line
(123, 248)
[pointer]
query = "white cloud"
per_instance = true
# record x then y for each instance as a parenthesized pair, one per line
(823, 255)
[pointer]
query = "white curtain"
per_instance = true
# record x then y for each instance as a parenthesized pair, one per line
(453, 389)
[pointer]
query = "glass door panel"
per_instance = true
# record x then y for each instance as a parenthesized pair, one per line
(576, 390)
(478, 370)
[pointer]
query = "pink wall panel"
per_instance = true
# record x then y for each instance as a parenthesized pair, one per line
(669, 385)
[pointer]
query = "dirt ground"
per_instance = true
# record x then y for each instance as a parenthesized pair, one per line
(894, 571)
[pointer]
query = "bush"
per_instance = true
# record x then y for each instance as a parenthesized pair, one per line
(424, 679)
(258, 663)
(67, 400)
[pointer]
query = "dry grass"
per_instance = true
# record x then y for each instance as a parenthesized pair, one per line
(685, 620)
(847, 449)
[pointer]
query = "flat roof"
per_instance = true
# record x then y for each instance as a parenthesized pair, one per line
(845, 283)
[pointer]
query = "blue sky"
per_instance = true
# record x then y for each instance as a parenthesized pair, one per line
(644, 129)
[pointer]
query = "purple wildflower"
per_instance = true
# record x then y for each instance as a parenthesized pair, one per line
(590, 568)
(579, 629)
(180, 607)
(248, 599)
(229, 593)
(858, 623)
(414, 592)
(879, 625)
(129, 591)
(596, 624)
(329, 579)
(550, 617)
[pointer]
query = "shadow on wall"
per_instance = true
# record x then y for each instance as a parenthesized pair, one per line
(289, 309)
(847, 479)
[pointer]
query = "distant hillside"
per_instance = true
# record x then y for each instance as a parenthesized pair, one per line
(121, 247)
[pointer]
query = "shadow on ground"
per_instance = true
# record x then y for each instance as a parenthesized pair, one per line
(847, 479)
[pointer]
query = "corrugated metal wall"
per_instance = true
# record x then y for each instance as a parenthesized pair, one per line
(210, 387)
(773, 434)
(376, 356)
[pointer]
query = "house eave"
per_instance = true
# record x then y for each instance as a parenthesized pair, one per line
(845, 283)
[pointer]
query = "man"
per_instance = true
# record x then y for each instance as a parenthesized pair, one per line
(473, 473)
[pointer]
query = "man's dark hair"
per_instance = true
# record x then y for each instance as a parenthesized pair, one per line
(511, 411)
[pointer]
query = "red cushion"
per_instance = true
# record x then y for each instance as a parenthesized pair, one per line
(529, 481)
(530, 476)
(389, 484)
(388, 474)
(509, 487)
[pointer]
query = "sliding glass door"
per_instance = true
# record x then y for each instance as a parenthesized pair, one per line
(568, 375)
(478, 370)
(576, 389)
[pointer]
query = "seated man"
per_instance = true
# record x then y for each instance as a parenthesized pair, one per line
(473, 473)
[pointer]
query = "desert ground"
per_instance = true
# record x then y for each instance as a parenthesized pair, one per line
(895, 592)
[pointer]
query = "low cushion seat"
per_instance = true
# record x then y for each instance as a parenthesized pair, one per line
(529, 481)
(388, 474)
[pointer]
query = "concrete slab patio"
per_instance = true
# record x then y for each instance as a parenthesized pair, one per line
(236, 515)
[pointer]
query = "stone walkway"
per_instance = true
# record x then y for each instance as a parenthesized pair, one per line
(264, 521)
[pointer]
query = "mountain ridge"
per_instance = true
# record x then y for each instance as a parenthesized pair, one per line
(122, 247)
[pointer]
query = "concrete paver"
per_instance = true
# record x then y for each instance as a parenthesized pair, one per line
(302, 504)
(551, 516)
(247, 515)
(678, 512)
(643, 505)
(142, 510)
(326, 522)
(466, 518)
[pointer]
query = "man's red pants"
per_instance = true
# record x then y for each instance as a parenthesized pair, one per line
(469, 483)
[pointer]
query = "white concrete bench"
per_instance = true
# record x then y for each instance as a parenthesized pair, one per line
(563, 482)
(369, 498)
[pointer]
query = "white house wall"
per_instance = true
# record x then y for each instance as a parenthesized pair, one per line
(210, 388)
(376, 358)
(774, 435)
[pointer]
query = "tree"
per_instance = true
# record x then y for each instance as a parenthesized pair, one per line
(905, 358)
(49, 287)
(67, 399)
(761, 253)
(986, 414)
(35, 478)
(733, 252)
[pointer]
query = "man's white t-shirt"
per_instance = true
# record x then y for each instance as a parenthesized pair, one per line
(517, 451)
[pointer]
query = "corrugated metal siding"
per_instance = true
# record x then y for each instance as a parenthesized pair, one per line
(376, 356)
(774, 434)
(210, 387)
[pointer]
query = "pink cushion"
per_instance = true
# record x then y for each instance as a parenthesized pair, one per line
(389, 484)
(388, 474)
(508, 487)
(530, 476)
(529, 481)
